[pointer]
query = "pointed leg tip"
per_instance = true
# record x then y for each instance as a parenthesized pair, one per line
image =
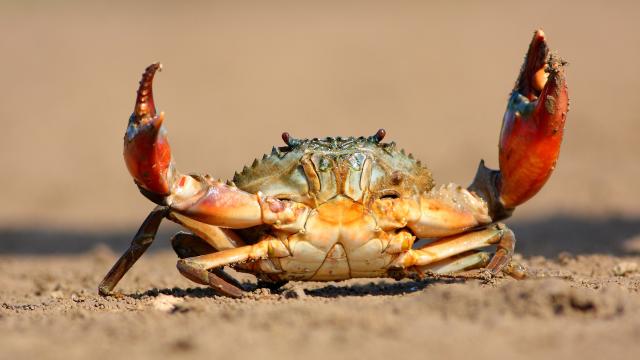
(104, 291)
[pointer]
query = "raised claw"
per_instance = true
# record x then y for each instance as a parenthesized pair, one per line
(146, 149)
(533, 125)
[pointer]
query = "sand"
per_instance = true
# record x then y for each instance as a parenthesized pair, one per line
(436, 76)
(575, 307)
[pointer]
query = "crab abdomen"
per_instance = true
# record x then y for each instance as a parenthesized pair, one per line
(341, 240)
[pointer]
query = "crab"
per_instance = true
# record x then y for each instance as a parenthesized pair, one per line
(336, 208)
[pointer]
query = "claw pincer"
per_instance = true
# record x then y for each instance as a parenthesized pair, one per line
(531, 134)
(533, 125)
(146, 149)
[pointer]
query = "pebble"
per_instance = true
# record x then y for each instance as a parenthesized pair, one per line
(625, 267)
(166, 303)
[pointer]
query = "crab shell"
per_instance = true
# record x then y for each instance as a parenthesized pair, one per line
(339, 180)
(315, 171)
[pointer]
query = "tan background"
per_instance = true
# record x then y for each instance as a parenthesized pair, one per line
(436, 75)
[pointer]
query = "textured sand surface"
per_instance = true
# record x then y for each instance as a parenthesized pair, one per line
(575, 308)
(436, 75)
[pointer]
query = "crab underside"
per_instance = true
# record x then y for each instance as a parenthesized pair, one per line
(339, 208)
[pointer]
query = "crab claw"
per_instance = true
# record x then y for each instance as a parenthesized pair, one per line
(533, 125)
(146, 149)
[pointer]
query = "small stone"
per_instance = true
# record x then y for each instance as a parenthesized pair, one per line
(625, 267)
(166, 303)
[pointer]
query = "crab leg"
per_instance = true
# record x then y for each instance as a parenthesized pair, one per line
(189, 245)
(531, 132)
(450, 246)
(218, 238)
(210, 238)
(198, 268)
(465, 261)
(447, 210)
(140, 243)
(148, 157)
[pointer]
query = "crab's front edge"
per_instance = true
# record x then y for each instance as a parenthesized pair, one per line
(276, 237)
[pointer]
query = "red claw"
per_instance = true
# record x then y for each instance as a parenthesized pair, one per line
(146, 149)
(533, 125)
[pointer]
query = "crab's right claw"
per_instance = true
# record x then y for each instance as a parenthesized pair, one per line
(533, 125)
(146, 149)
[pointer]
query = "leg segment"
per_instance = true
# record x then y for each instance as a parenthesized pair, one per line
(497, 234)
(447, 210)
(188, 245)
(198, 268)
(140, 243)
(465, 261)
(219, 238)
(504, 252)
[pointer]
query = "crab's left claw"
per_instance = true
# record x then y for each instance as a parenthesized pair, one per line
(531, 133)
(146, 149)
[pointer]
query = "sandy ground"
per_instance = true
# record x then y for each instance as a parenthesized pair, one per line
(435, 75)
(576, 307)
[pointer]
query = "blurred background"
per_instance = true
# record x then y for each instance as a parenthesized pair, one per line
(434, 74)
